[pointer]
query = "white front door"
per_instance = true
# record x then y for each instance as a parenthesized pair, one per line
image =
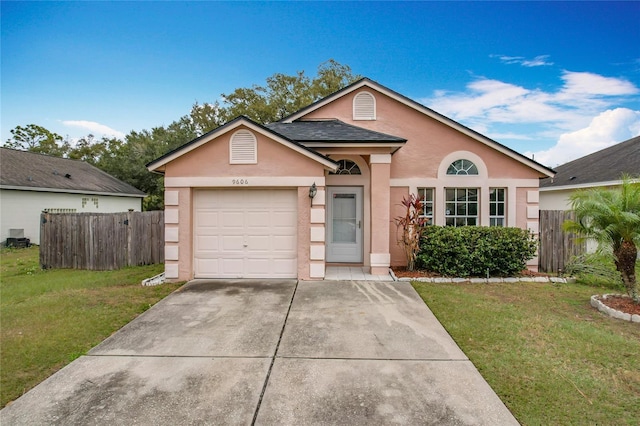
(344, 230)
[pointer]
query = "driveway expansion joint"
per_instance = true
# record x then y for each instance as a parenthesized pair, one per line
(273, 358)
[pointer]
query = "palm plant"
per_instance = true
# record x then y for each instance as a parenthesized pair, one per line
(611, 216)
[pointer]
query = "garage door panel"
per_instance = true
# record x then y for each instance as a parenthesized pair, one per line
(232, 219)
(284, 243)
(259, 243)
(245, 233)
(207, 243)
(283, 219)
(232, 243)
(207, 267)
(281, 267)
(259, 219)
(208, 217)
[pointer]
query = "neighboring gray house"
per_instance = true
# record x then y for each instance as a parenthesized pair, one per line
(599, 169)
(31, 183)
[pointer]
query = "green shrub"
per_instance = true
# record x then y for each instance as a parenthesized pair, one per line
(471, 251)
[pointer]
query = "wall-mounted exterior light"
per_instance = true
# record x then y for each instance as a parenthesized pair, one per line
(313, 190)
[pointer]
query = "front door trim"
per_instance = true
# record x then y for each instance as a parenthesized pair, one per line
(345, 226)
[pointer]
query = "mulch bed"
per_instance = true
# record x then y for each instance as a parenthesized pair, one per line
(622, 304)
(619, 303)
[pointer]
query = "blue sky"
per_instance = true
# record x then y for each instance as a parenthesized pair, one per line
(554, 79)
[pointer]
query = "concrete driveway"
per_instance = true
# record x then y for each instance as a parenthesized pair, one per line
(271, 352)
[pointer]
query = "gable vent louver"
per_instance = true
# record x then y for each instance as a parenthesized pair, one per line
(243, 148)
(364, 106)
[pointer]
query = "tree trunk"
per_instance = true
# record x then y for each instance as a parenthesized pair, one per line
(626, 257)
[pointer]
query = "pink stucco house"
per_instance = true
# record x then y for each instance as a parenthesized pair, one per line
(323, 186)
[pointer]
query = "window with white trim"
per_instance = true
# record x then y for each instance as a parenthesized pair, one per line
(347, 167)
(461, 208)
(364, 106)
(426, 195)
(243, 148)
(497, 206)
(462, 167)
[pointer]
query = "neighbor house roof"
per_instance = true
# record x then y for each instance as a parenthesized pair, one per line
(30, 171)
(602, 168)
(365, 82)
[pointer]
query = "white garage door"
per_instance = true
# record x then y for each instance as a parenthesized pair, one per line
(245, 233)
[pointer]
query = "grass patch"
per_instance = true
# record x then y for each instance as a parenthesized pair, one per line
(546, 352)
(49, 318)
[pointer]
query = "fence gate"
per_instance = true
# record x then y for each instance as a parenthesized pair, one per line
(101, 241)
(557, 247)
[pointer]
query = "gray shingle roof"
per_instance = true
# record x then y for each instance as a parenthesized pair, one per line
(606, 165)
(329, 131)
(29, 170)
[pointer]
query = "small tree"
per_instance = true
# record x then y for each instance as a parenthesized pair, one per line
(411, 227)
(612, 218)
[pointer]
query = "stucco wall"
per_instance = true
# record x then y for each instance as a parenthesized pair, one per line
(396, 210)
(428, 141)
(208, 166)
(212, 159)
(21, 209)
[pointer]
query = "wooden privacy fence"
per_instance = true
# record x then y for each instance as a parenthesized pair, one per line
(557, 247)
(101, 241)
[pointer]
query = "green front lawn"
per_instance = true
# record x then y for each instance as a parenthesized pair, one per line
(547, 353)
(49, 318)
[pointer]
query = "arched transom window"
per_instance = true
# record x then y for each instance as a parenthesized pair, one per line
(347, 167)
(462, 167)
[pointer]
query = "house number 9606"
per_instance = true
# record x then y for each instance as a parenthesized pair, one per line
(240, 181)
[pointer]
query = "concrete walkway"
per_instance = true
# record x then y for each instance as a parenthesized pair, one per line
(271, 352)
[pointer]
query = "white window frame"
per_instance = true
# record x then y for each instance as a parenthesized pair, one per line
(428, 203)
(463, 167)
(496, 219)
(456, 216)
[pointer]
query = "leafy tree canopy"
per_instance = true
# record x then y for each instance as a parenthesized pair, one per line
(126, 158)
(36, 138)
(285, 94)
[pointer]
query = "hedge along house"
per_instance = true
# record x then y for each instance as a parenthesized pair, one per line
(324, 185)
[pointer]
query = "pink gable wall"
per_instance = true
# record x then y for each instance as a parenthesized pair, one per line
(274, 159)
(428, 141)
(208, 166)
(428, 144)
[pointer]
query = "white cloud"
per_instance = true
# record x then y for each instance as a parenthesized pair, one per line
(589, 84)
(94, 128)
(495, 104)
(606, 129)
(538, 61)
